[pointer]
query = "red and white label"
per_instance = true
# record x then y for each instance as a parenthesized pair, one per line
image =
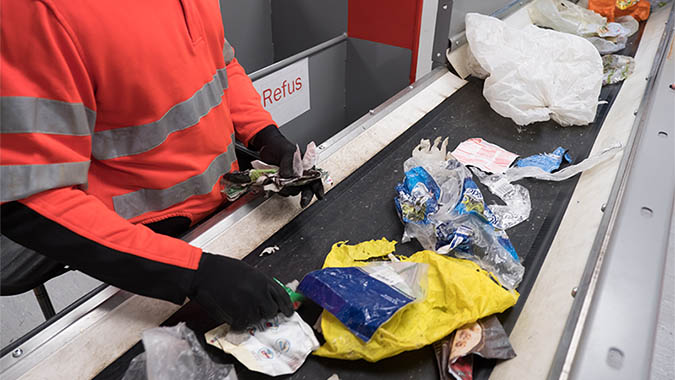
(484, 155)
(285, 93)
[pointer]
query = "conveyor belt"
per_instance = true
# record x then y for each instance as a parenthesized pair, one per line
(361, 208)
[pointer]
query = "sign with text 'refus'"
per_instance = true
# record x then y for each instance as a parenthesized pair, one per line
(285, 93)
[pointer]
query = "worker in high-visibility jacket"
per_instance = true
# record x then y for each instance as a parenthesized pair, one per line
(118, 121)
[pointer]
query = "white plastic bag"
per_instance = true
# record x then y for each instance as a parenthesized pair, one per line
(565, 16)
(536, 74)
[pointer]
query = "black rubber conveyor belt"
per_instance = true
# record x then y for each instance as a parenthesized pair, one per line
(362, 208)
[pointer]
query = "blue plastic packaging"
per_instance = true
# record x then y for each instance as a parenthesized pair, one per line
(546, 161)
(360, 301)
(417, 196)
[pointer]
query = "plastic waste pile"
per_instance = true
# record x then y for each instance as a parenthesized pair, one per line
(518, 61)
(442, 207)
(431, 296)
(174, 353)
(266, 177)
(567, 17)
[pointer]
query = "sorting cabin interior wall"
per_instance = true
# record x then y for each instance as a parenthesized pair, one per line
(346, 79)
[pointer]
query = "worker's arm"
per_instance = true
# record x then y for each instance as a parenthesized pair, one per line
(48, 112)
(255, 128)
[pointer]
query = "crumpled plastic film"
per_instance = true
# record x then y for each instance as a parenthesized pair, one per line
(277, 346)
(516, 173)
(517, 198)
(617, 68)
(458, 292)
(174, 353)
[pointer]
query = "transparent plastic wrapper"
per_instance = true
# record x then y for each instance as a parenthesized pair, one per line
(173, 353)
(517, 198)
(516, 173)
(364, 298)
(457, 292)
(277, 346)
(536, 74)
(617, 68)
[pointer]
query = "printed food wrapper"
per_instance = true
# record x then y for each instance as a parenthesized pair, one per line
(548, 162)
(278, 346)
(484, 155)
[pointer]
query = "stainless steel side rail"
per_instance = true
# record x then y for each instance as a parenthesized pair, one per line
(611, 327)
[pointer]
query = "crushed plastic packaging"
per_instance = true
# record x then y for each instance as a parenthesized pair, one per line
(548, 162)
(417, 196)
(517, 173)
(616, 68)
(485, 338)
(567, 17)
(174, 353)
(462, 224)
(278, 346)
(458, 292)
(519, 61)
(266, 177)
(364, 298)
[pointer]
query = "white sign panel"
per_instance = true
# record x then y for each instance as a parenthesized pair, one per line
(285, 93)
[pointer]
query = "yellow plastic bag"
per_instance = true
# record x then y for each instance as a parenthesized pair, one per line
(458, 292)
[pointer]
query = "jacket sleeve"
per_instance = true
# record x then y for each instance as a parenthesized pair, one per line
(248, 114)
(48, 112)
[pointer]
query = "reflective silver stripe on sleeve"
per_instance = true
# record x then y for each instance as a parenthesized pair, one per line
(145, 200)
(21, 181)
(228, 52)
(24, 114)
(137, 139)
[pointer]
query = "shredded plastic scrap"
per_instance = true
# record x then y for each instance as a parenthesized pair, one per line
(266, 177)
(616, 68)
(458, 292)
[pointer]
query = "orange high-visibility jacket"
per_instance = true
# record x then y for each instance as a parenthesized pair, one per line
(121, 113)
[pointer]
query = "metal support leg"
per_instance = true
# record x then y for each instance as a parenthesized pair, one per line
(44, 301)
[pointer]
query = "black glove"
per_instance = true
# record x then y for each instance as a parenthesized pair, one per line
(235, 292)
(275, 149)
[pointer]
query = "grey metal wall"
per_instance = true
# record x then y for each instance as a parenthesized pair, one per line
(300, 24)
(461, 7)
(326, 115)
(375, 72)
(248, 27)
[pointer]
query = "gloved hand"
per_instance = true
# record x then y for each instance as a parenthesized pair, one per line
(235, 292)
(275, 149)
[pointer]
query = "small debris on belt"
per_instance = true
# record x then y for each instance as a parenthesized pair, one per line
(269, 250)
